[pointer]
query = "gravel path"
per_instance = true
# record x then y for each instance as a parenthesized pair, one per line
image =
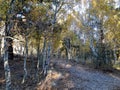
(79, 78)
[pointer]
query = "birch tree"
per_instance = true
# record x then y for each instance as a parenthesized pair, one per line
(8, 9)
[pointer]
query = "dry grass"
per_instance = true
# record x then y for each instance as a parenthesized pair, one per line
(50, 81)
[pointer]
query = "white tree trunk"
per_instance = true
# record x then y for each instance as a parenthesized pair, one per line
(69, 54)
(0, 48)
(25, 60)
(8, 26)
(6, 67)
(38, 56)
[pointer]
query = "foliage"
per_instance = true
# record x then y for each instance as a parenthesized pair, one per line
(4, 6)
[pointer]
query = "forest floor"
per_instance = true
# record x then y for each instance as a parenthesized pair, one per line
(63, 75)
(72, 76)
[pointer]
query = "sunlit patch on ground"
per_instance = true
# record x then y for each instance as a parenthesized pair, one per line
(50, 81)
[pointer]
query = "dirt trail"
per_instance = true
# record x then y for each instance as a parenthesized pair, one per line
(65, 76)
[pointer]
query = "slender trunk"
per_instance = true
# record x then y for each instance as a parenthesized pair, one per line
(38, 62)
(21, 51)
(115, 56)
(6, 67)
(48, 55)
(47, 59)
(0, 49)
(2, 46)
(44, 55)
(68, 48)
(69, 54)
(25, 59)
(6, 64)
(8, 26)
(38, 55)
(10, 50)
(102, 48)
